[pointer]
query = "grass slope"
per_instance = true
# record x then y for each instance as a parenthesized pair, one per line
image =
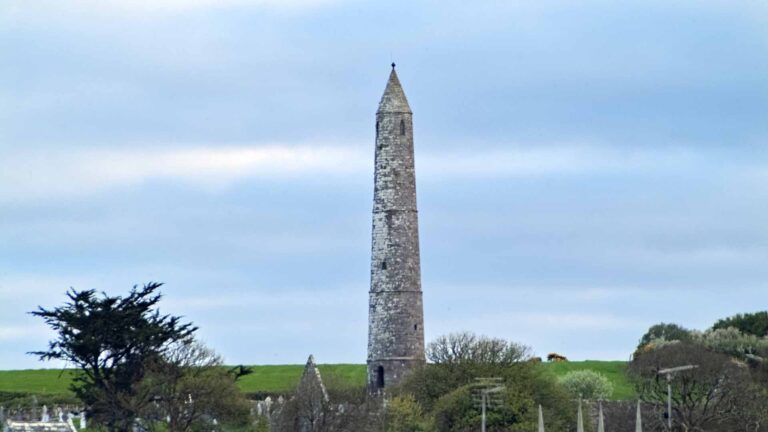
(613, 370)
(37, 381)
(283, 378)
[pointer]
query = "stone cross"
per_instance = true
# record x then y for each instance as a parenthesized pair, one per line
(600, 419)
(579, 419)
(541, 419)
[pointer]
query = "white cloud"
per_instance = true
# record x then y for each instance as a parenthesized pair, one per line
(46, 174)
(563, 159)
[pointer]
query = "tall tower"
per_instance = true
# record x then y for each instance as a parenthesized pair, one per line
(395, 313)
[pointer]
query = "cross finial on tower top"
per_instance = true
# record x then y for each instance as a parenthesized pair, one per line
(393, 65)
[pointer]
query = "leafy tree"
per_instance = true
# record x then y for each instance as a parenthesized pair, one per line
(458, 359)
(664, 331)
(458, 411)
(404, 414)
(111, 340)
(749, 323)
(587, 384)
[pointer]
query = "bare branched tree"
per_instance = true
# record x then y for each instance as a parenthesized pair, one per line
(712, 396)
(466, 347)
(191, 388)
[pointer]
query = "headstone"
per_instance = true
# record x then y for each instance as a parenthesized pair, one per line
(579, 419)
(60, 414)
(639, 420)
(600, 419)
(83, 424)
(45, 418)
(541, 419)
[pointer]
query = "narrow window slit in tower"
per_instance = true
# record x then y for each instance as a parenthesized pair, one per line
(380, 377)
(377, 129)
(402, 127)
(415, 326)
(383, 265)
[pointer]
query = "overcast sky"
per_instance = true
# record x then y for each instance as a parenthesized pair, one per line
(584, 169)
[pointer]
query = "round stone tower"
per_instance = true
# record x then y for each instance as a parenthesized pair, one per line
(395, 314)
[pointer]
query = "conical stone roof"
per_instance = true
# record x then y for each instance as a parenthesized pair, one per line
(393, 100)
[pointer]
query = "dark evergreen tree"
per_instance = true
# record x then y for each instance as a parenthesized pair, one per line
(111, 340)
(749, 323)
(666, 331)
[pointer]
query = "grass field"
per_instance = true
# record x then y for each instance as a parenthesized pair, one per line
(283, 378)
(613, 370)
(37, 381)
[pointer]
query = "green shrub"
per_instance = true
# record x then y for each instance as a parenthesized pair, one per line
(459, 411)
(404, 414)
(587, 384)
(438, 388)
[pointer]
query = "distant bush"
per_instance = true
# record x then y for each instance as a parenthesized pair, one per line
(467, 347)
(28, 400)
(655, 344)
(587, 384)
(733, 342)
(755, 324)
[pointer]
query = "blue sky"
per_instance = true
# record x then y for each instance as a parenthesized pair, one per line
(584, 170)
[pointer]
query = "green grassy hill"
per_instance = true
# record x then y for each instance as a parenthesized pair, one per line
(613, 370)
(283, 378)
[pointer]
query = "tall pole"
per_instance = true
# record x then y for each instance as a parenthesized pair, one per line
(669, 372)
(669, 401)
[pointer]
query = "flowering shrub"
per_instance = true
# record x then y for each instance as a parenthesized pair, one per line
(587, 384)
(733, 342)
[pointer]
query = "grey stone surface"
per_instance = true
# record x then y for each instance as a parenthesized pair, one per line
(396, 317)
(311, 398)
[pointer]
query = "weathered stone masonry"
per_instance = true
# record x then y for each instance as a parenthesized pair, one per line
(396, 317)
